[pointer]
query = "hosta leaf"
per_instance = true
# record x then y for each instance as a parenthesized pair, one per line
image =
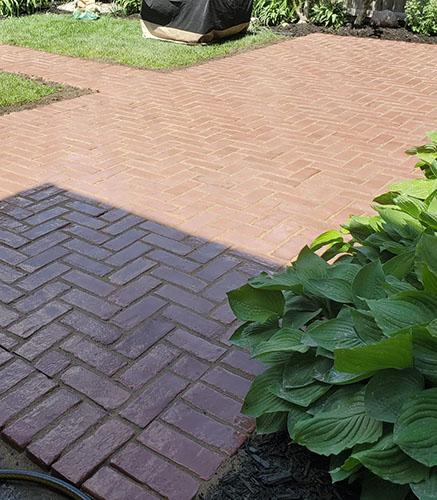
(250, 304)
(375, 488)
(388, 390)
(301, 396)
(327, 238)
(415, 430)
(249, 335)
(388, 461)
(335, 289)
(432, 328)
(394, 352)
(369, 282)
(361, 226)
(310, 266)
(271, 422)
(429, 219)
(335, 377)
(400, 265)
(399, 223)
(295, 413)
(419, 188)
(299, 310)
(393, 286)
(366, 327)
(284, 340)
(426, 252)
(334, 333)
(429, 280)
(412, 206)
(403, 311)
(287, 280)
(349, 467)
(344, 271)
(334, 431)
(425, 353)
(299, 370)
(260, 399)
(427, 489)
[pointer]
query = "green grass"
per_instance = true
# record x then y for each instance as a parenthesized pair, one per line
(116, 40)
(16, 90)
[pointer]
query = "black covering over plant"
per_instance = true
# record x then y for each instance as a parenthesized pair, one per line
(350, 338)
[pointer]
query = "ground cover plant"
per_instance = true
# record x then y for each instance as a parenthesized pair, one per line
(422, 16)
(116, 40)
(17, 90)
(350, 338)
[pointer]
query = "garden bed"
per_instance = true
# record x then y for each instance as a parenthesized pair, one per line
(19, 92)
(398, 34)
(270, 467)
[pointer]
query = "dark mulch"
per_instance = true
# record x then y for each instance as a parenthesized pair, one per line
(398, 34)
(270, 468)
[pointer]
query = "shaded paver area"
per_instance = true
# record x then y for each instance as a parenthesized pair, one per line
(128, 213)
(115, 361)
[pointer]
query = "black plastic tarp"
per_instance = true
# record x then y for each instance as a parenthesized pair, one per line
(194, 20)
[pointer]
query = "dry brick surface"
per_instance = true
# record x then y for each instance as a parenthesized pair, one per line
(127, 214)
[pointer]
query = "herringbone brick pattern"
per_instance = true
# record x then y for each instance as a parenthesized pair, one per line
(115, 368)
(260, 151)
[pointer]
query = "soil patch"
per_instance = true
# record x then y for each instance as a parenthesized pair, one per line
(398, 34)
(64, 92)
(270, 467)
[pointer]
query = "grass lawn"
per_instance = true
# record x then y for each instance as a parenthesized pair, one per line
(16, 90)
(116, 40)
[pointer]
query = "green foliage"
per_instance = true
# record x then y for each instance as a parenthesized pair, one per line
(329, 13)
(127, 7)
(274, 12)
(350, 340)
(422, 16)
(21, 7)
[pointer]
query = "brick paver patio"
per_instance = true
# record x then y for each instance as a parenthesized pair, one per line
(128, 213)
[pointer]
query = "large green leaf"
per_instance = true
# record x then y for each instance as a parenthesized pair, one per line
(335, 333)
(369, 282)
(249, 335)
(429, 280)
(250, 304)
(399, 223)
(295, 413)
(301, 396)
(394, 352)
(427, 489)
(270, 423)
(327, 238)
(415, 430)
(425, 353)
(260, 399)
(299, 370)
(388, 390)
(284, 340)
(411, 206)
(426, 252)
(299, 310)
(419, 188)
(309, 265)
(388, 461)
(366, 327)
(330, 432)
(403, 311)
(335, 377)
(375, 488)
(400, 265)
(287, 280)
(335, 289)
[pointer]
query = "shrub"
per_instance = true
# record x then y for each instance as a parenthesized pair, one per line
(350, 338)
(127, 7)
(21, 7)
(274, 12)
(329, 13)
(421, 16)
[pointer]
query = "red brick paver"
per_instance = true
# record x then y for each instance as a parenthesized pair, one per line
(126, 216)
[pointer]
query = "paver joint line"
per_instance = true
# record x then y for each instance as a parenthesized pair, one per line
(127, 214)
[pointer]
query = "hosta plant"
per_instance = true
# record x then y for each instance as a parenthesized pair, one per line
(331, 13)
(349, 336)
